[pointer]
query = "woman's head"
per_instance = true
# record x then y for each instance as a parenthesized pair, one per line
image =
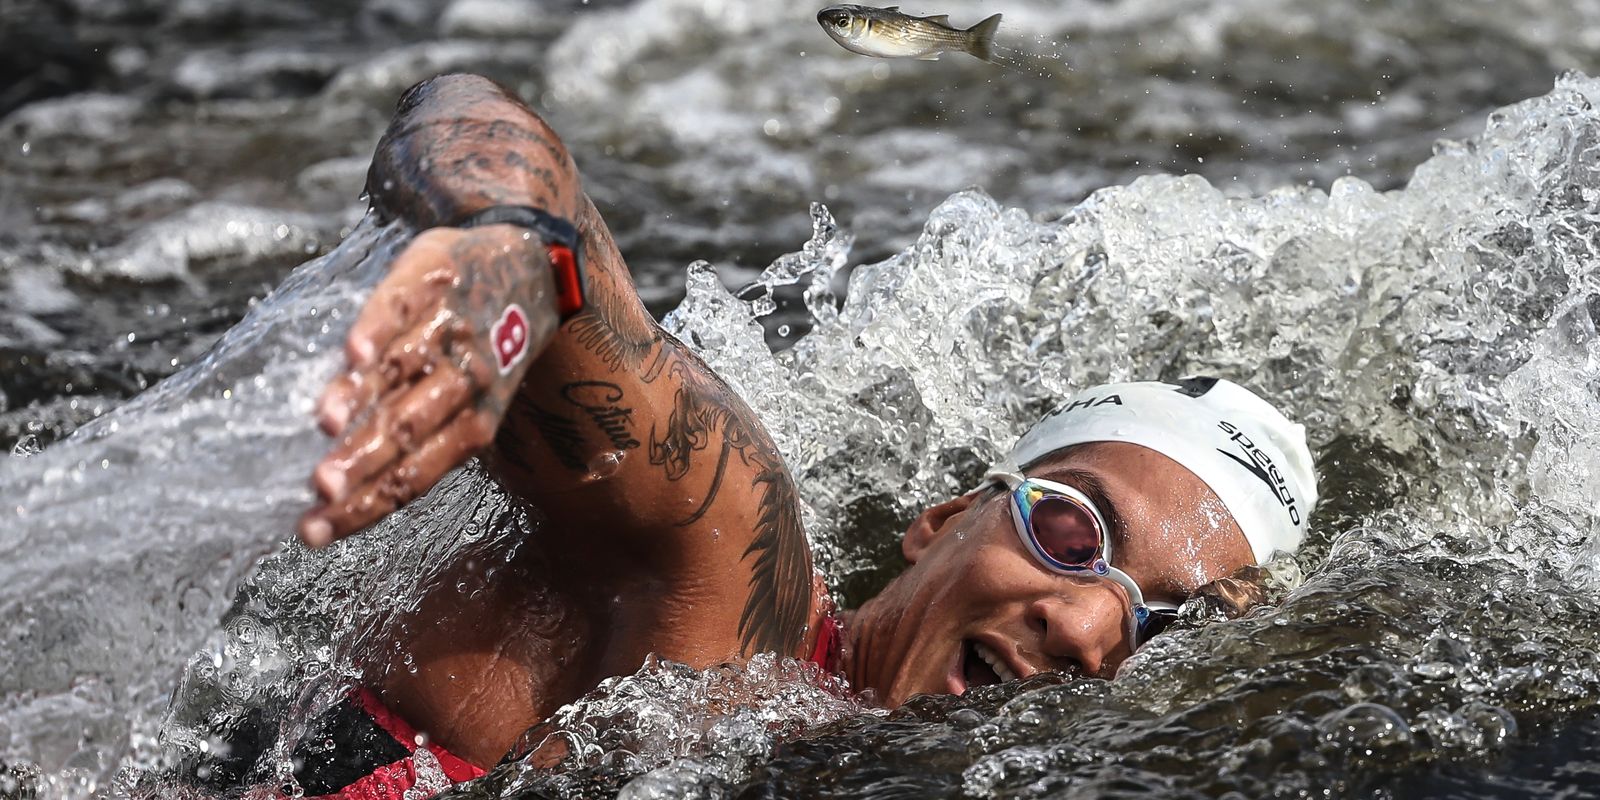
(1185, 490)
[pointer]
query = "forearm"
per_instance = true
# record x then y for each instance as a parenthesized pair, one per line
(622, 431)
(608, 424)
(460, 143)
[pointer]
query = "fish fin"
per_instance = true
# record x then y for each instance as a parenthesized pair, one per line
(929, 57)
(942, 19)
(980, 38)
(892, 8)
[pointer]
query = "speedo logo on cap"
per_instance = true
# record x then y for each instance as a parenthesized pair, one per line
(1261, 466)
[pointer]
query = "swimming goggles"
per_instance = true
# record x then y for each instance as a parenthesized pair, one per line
(1066, 532)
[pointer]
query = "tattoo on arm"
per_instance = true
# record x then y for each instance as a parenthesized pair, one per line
(775, 611)
(458, 143)
(560, 434)
(599, 400)
(707, 430)
(600, 327)
(590, 330)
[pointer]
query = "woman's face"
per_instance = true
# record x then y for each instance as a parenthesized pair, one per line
(975, 607)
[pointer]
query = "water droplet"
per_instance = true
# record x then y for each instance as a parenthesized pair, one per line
(605, 465)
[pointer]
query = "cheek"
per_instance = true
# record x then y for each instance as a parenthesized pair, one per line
(972, 574)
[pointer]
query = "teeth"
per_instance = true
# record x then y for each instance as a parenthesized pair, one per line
(994, 661)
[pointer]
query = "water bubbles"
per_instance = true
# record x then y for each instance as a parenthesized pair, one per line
(1434, 670)
(27, 445)
(705, 724)
(1365, 730)
(965, 719)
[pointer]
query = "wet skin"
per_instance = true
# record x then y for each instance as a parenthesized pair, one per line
(672, 524)
(971, 580)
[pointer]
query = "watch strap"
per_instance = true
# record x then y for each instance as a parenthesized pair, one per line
(561, 241)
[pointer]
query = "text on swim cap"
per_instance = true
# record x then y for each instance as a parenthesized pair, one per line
(1113, 399)
(1261, 466)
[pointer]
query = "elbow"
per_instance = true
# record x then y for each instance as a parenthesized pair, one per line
(450, 90)
(443, 152)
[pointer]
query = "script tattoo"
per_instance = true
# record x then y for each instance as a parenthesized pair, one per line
(599, 400)
(707, 431)
(460, 143)
(566, 442)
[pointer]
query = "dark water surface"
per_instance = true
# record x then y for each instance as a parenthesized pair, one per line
(1432, 317)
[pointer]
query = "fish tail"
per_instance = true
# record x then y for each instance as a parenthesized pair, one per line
(980, 38)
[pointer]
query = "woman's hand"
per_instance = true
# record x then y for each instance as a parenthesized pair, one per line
(434, 359)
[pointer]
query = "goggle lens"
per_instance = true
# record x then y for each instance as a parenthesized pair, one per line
(1065, 531)
(1062, 528)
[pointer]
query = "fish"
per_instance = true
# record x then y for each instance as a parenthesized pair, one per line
(889, 33)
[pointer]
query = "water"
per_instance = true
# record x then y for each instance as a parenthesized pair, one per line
(1434, 638)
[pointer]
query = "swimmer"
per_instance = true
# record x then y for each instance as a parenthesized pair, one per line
(509, 328)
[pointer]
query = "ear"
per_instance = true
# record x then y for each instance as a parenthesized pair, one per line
(931, 524)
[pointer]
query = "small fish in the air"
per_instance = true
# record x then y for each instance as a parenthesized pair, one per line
(887, 33)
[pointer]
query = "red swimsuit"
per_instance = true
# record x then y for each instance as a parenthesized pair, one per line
(373, 756)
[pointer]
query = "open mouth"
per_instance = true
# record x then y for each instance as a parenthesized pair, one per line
(982, 666)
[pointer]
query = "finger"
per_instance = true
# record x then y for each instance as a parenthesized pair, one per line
(345, 395)
(430, 405)
(414, 475)
(410, 354)
(415, 283)
(399, 426)
(364, 453)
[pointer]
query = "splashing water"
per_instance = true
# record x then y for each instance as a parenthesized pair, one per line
(1440, 344)
(679, 730)
(1438, 341)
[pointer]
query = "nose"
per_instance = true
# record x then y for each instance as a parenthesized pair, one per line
(1082, 626)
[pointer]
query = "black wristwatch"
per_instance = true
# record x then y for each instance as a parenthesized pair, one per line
(560, 239)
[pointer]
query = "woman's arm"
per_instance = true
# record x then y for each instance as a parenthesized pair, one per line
(632, 447)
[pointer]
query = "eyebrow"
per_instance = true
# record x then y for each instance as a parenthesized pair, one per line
(1091, 485)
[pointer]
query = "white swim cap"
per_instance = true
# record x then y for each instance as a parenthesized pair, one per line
(1253, 457)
